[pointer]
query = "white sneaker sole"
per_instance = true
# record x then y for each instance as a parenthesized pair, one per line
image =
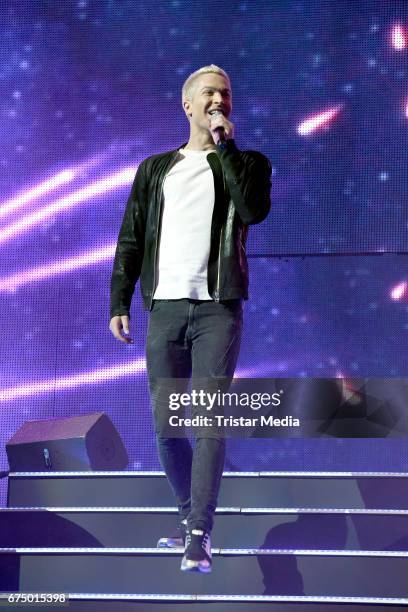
(187, 565)
(170, 543)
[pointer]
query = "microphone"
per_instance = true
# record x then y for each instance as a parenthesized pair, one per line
(220, 129)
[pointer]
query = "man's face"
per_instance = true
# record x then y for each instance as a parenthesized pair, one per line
(213, 92)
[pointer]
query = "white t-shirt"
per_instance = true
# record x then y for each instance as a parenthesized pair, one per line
(184, 247)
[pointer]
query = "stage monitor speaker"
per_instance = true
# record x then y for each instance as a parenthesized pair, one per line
(80, 443)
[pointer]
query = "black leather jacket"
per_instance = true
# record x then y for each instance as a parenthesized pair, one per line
(242, 197)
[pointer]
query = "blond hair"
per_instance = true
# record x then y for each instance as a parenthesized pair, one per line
(190, 84)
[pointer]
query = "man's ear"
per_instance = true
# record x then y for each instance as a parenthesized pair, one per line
(186, 106)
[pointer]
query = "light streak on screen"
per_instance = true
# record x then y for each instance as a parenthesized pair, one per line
(35, 275)
(89, 192)
(90, 89)
(43, 188)
(94, 377)
(398, 37)
(318, 121)
(399, 292)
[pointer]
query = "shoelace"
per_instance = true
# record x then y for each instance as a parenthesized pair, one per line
(203, 543)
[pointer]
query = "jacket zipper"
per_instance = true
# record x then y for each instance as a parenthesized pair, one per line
(217, 292)
(157, 230)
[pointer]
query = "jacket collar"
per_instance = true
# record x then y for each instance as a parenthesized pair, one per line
(186, 143)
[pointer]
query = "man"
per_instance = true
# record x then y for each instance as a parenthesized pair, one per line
(184, 233)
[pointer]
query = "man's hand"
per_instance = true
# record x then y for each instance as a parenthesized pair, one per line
(118, 323)
(217, 121)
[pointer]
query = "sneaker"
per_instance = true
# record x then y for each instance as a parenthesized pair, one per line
(177, 539)
(197, 552)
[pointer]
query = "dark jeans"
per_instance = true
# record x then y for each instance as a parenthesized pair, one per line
(198, 339)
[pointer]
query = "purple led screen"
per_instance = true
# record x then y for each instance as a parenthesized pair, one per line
(90, 88)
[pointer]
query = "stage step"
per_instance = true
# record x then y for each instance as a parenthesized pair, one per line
(345, 528)
(255, 489)
(120, 602)
(281, 541)
(235, 572)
